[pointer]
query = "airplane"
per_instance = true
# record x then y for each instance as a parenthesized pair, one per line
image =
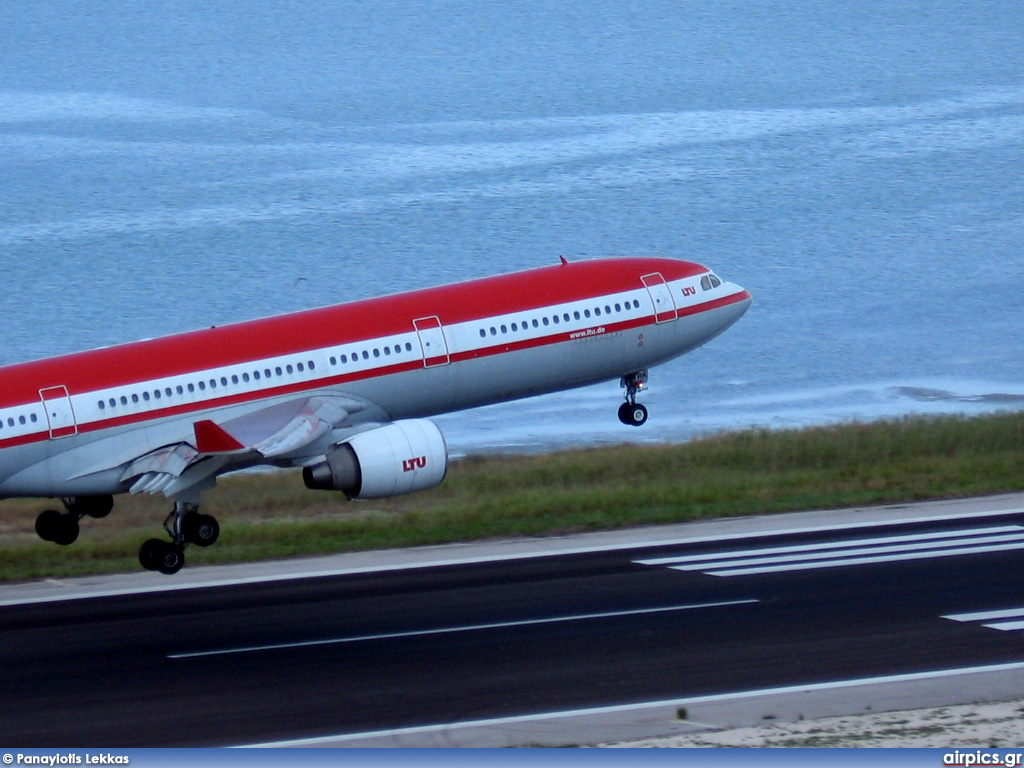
(345, 392)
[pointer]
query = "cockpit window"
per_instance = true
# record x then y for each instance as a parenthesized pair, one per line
(709, 281)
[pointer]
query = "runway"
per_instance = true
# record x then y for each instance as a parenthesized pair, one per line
(315, 651)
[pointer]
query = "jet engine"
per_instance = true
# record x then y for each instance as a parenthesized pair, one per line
(387, 461)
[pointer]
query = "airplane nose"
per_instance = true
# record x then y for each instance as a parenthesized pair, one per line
(739, 308)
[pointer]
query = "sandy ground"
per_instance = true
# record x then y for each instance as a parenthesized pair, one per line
(995, 725)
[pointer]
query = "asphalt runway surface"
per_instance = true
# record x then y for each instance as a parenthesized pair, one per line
(306, 655)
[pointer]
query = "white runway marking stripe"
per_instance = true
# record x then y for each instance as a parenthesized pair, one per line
(452, 630)
(989, 618)
(837, 554)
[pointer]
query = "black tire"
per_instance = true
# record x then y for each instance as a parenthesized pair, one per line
(632, 415)
(65, 529)
(638, 415)
(624, 414)
(201, 530)
(46, 524)
(148, 553)
(93, 506)
(207, 531)
(169, 558)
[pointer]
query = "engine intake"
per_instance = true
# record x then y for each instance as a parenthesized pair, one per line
(397, 458)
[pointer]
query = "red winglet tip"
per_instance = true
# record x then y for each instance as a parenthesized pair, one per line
(212, 439)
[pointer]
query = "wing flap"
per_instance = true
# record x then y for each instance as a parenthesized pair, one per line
(279, 432)
(285, 429)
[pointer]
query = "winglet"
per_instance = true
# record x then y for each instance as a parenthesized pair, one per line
(565, 261)
(212, 439)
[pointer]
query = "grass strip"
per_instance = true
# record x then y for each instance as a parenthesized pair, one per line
(271, 516)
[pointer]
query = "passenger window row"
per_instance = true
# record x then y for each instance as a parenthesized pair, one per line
(32, 417)
(204, 385)
(366, 354)
(558, 319)
(264, 374)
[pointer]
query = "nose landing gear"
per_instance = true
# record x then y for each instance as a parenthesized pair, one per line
(631, 412)
(185, 525)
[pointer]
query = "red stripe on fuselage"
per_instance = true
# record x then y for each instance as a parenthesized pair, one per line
(319, 328)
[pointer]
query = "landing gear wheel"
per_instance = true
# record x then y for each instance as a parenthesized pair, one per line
(93, 506)
(163, 556)
(169, 558)
(65, 530)
(633, 414)
(148, 553)
(201, 530)
(47, 523)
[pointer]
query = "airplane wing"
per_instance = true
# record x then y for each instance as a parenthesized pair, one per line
(279, 434)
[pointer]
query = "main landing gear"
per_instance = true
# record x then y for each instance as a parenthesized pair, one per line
(62, 527)
(631, 412)
(185, 525)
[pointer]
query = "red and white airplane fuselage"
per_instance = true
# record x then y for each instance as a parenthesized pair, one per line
(342, 391)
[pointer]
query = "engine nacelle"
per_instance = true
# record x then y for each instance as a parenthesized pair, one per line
(387, 461)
